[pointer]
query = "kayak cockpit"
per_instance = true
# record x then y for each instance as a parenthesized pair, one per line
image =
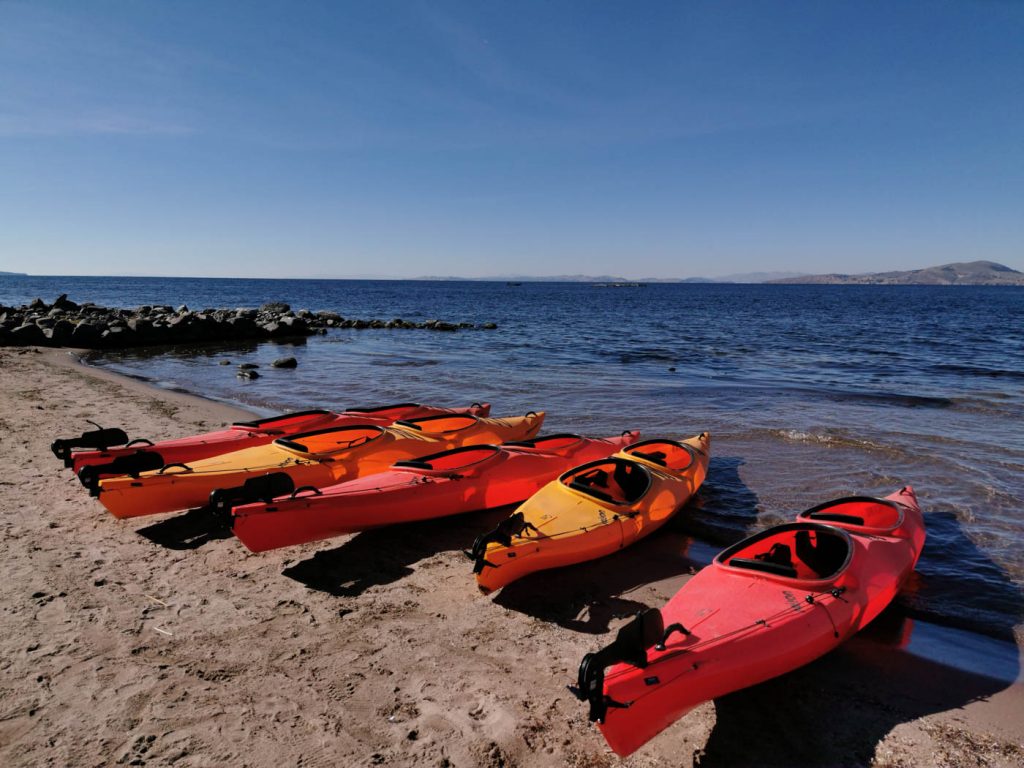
(559, 442)
(803, 551)
(665, 453)
(454, 460)
(439, 425)
(615, 480)
(860, 512)
(331, 440)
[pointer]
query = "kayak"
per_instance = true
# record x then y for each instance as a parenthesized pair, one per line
(452, 482)
(593, 510)
(142, 454)
(765, 606)
(319, 458)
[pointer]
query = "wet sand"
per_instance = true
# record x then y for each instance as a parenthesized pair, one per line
(159, 641)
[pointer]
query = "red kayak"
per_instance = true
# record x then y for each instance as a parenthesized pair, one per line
(772, 603)
(452, 482)
(143, 455)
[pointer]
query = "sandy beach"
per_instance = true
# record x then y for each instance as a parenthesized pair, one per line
(160, 641)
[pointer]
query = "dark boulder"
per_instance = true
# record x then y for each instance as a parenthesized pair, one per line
(248, 375)
(62, 302)
(489, 326)
(286, 362)
(25, 335)
(275, 308)
(247, 366)
(85, 335)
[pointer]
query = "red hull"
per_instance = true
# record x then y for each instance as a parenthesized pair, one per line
(742, 625)
(263, 431)
(449, 483)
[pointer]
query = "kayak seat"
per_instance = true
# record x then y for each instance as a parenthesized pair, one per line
(780, 554)
(658, 457)
(631, 480)
(824, 556)
(767, 566)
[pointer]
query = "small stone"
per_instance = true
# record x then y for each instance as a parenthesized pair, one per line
(248, 375)
(286, 362)
(489, 326)
(225, 362)
(247, 366)
(672, 370)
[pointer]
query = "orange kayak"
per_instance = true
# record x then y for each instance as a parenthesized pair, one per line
(319, 458)
(593, 510)
(765, 606)
(141, 455)
(452, 482)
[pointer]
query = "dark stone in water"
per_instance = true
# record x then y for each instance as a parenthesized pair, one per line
(286, 362)
(247, 366)
(225, 362)
(248, 375)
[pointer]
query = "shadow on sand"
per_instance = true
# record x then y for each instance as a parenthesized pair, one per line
(385, 555)
(188, 531)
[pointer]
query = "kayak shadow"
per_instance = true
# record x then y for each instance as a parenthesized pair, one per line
(837, 710)
(188, 531)
(385, 555)
(587, 597)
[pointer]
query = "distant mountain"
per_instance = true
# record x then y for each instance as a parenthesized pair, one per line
(758, 277)
(961, 273)
(535, 278)
(19, 274)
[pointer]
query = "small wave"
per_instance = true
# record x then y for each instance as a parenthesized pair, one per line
(405, 363)
(977, 370)
(888, 398)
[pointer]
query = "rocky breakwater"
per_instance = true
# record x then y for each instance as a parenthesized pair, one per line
(88, 326)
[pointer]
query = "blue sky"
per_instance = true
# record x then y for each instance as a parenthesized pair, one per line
(484, 138)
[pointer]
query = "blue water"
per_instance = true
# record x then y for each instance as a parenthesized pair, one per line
(810, 392)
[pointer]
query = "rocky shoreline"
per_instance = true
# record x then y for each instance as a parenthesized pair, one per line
(89, 326)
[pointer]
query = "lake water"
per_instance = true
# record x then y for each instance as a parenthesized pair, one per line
(810, 392)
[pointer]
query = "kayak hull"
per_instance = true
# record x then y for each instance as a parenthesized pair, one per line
(747, 626)
(456, 482)
(565, 524)
(262, 432)
(325, 457)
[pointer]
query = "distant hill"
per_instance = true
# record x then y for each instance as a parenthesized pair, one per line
(961, 273)
(19, 274)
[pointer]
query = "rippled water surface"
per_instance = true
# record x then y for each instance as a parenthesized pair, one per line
(810, 392)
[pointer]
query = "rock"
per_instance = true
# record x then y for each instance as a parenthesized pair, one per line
(248, 375)
(38, 304)
(489, 326)
(61, 333)
(28, 334)
(64, 303)
(286, 362)
(295, 324)
(275, 307)
(85, 335)
(224, 362)
(248, 366)
(182, 309)
(439, 326)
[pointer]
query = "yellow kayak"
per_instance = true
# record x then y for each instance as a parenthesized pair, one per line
(319, 458)
(593, 510)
